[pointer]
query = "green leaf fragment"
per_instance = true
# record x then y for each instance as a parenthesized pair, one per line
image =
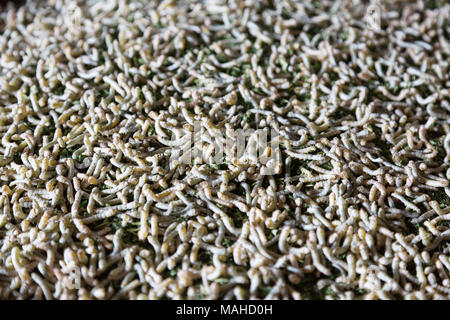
(222, 281)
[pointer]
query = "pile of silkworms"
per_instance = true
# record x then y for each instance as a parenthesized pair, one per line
(93, 207)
